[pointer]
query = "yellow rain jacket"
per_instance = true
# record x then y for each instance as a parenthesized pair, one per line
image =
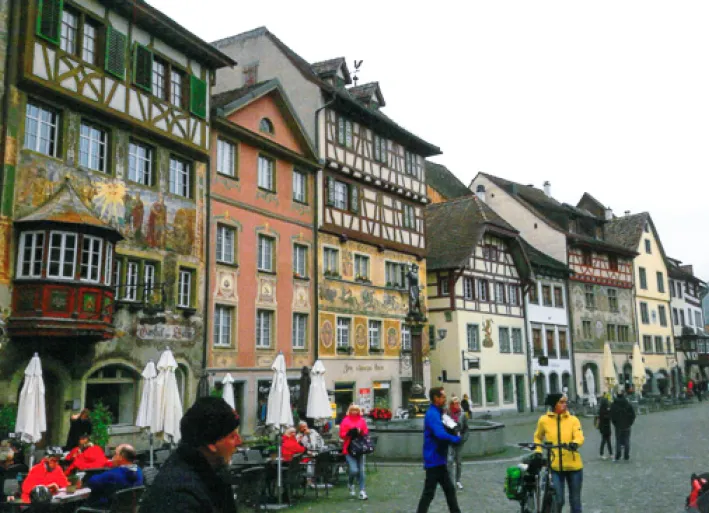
(549, 427)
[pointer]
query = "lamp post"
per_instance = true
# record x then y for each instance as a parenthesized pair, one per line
(418, 402)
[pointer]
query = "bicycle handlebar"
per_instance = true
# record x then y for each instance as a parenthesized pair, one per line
(547, 446)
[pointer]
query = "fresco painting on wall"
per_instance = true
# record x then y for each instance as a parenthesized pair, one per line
(359, 299)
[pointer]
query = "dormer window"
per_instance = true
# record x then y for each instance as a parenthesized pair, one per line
(265, 125)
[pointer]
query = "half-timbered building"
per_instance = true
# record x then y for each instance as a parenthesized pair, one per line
(478, 271)
(105, 146)
(600, 290)
(372, 194)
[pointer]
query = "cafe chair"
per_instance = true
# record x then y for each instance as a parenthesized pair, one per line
(249, 486)
(294, 479)
(322, 473)
(123, 501)
(254, 456)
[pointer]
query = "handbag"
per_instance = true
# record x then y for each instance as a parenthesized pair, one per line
(360, 445)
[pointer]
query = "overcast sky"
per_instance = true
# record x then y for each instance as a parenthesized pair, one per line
(609, 97)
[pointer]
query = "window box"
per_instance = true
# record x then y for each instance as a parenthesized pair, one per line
(187, 311)
(332, 274)
(345, 350)
(363, 279)
(376, 350)
(299, 276)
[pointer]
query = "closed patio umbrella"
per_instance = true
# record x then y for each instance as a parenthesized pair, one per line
(147, 403)
(168, 405)
(639, 375)
(610, 377)
(31, 414)
(279, 412)
(228, 392)
(591, 385)
(318, 400)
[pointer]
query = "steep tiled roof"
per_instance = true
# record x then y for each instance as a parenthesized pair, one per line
(227, 97)
(454, 228)
(681, 272)
(440, 178)
(543, 262)
(364, 92)
(627, 231)
(330, 67)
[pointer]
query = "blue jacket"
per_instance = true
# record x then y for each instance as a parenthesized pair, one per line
(435, 439)
(105, 484)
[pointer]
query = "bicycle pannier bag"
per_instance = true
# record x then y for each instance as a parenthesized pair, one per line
(513, 483)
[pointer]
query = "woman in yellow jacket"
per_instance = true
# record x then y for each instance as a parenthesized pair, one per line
(559, 426)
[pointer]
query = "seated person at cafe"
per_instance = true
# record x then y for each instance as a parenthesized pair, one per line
(47, 472)
(124, 474)
(86, 456)
(7, 456)
(309, 438)
(290, 446)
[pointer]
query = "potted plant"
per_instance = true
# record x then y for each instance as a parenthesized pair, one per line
(101, 419)
(344, 350)
(376, 350)
(381, 414)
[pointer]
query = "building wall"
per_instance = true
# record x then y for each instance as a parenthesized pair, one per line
(434, 195)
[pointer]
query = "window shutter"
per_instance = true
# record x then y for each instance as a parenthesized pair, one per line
(330, 190)
(116, 53)
(198, 97)
(354, 199)
(143, 67)
(432, 336)
(49, 19)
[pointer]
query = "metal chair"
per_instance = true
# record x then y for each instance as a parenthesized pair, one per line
(123, 501)
(248, 485)
(254, 456)
(323, 472)
(374, 439)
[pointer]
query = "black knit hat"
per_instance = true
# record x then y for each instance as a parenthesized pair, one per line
(552, 399)
(208, 420)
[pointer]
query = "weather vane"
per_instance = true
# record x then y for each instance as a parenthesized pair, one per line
(357, 64)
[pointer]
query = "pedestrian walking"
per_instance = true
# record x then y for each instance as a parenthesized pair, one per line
(456, 450)
(435, 454)
(352, 426)
(622, 416)
(604, 426)
(195, 478)
(465, 405)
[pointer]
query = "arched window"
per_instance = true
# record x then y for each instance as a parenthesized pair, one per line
(596, 383)
(115, 386)
(554, 383)
(266, 126)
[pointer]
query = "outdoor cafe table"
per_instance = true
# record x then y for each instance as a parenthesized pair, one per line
(59, 500)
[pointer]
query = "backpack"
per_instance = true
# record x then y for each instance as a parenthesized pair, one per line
(360, 445)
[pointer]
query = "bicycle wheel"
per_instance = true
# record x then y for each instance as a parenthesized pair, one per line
(543, 502)
(529, 503)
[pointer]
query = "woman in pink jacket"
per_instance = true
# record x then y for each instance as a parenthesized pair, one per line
(352, 426)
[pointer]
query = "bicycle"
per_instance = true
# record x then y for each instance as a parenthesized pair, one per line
(538, 492)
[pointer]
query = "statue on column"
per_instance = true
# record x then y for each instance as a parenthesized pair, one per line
(414, 291)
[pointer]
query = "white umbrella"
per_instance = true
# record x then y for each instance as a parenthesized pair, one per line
(279, 412)
(318, 400)
(228, 391)
(146, 410)
(639, 376)
(31, 414)
(168, 406)
(591, 385)
(608, 369)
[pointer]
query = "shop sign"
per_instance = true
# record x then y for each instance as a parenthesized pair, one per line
(164, 332)
(365, 399)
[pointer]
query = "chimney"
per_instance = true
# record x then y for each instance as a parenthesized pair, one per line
(547, 189)
(609, 214)
(627, 212)
(480, 192)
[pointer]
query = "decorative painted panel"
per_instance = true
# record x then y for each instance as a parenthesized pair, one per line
(326, 344)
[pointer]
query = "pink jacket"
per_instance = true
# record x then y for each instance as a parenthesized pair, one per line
(349, 422)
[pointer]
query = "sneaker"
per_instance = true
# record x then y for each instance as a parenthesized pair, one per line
(604, 457)
(352, 491)
(363, 495)
(459, 485)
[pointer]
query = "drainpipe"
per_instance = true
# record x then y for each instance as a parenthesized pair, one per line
(530, 347)
(316, 280)
(207, 269)
(10, 79)
(570, 337)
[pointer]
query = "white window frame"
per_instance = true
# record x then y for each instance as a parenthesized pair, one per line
(264, 330)
(63, 248)
(300, 260)
(226, 157)
(223, 322)
(90, 267)
(140, 163)
(405, 337)
(341, 195)
(266, 173)
(41, 129)
(331, 259)
(31, 254)
(176, 86)
(184, 290)
(68, 38)
(361, 266)
(468, 288)
(108, 264)
(93, 147)
(300, 331)
(343, 331)
(117, 277)
(159, 78)
(409, 216)
(395, 274)
(265, 253)
(374, 331)
(472, 336)
(131, 287)
(180, 177)
(500, 293)
(508, 347)
(150, 271)
(484, 290)
(226, 237)
(445, 286)
(89, 44)
(517, 342)
(300, 187)
(512, 294)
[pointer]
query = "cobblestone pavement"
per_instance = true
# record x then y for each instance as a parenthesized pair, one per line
(666, 447)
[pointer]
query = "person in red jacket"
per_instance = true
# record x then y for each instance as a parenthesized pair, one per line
(86, 456)
(47, 472)
(290, 446)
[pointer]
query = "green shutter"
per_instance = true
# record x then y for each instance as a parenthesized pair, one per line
(116, 53)
(198, 97)
(49, 19)
(432, 336)
(330, 190)
(143, 67)
(354, 199)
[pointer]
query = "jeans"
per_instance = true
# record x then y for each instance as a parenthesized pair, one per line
(606, 441)
(434, 477)
(356, 465)
(575, 480)
(622, 437)
(455, 452)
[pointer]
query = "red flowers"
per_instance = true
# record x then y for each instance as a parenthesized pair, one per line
(380, 414)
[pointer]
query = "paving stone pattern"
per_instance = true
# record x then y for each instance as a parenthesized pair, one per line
(666, 447)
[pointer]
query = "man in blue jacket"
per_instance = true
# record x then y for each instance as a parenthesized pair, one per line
(125, 474)
(435, 454)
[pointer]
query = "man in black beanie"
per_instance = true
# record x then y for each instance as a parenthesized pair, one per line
(194, 477)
